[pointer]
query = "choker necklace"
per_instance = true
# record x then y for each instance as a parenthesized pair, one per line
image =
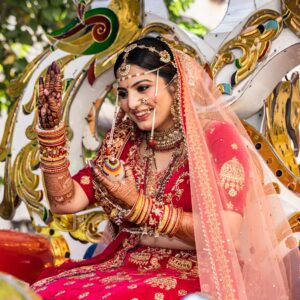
(165, 140)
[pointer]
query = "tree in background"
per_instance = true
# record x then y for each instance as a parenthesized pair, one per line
(23, 23)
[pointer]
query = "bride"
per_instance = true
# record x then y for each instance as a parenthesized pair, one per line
(178, 177)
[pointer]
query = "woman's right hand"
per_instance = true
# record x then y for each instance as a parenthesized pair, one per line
(50, 98)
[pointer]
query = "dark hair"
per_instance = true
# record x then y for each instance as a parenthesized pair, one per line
(147, 59)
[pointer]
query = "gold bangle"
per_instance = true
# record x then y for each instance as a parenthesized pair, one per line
(143, 212)
(139, 209)
(52, 164)
(149, 208)
(52, 159)
(177, 223)
(50, 142)
(131, 212)
(164, 219)
(51, 132)
(170, 214)
(172, 221)
(136, 209)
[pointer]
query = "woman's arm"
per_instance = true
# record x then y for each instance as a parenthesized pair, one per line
(65, 195)
(186, 229)
(230, 158)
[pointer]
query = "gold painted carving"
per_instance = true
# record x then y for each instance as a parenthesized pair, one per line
(254, 41)
(282, 122)
(271, 157)
(291, 15)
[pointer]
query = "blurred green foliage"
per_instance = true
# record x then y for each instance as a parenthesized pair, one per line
(22, 24)
(176, 8)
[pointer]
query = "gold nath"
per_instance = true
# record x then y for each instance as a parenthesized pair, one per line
(125, 68)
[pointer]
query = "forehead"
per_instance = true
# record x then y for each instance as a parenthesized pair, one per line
(134, 70)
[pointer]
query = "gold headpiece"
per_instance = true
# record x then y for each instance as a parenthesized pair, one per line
(125, 68)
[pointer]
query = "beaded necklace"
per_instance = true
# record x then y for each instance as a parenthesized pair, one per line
(149, 155)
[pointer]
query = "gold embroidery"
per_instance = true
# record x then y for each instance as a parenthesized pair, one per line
(106, 295)
(87, 285)
(232, 176)
(132, 286)
(85, 180)
(229, 205)
(182, 293)
(159, 296)
(180, 264)
(69, 282)
(121, 276)
(211, 225)
(166, 283)
(139, 258)
(234, 146)
(60, 293)
(110, 286)
(176, 187)
(83, 295)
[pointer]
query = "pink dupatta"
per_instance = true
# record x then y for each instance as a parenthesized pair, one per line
(257, 270)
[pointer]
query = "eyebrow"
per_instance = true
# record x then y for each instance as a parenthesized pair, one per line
(136, 83)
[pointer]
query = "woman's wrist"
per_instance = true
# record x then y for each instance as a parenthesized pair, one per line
(155, 216)
(54, 164)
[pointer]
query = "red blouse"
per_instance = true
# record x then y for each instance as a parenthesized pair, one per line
(229, 156)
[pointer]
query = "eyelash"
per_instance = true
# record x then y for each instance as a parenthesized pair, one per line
(122, 94)
(140, 89)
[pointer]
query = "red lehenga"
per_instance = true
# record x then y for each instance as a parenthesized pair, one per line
(125, 268)
(213, 171)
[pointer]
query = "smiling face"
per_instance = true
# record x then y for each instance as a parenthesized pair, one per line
(132, 92)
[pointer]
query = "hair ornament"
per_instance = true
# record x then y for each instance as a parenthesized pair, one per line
(124, 69)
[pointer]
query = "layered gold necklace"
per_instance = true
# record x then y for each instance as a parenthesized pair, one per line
(165, 140)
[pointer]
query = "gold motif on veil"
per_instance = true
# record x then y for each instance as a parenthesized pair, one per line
(232, 176)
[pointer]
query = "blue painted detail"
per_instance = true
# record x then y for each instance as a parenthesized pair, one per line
(226, 88)
(272, 24)
(90, 251)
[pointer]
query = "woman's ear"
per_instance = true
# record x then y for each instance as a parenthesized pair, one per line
(173, 84)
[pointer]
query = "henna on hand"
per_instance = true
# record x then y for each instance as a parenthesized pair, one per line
(186, 229)
(50, 98)
(125, 192)
(60, 188)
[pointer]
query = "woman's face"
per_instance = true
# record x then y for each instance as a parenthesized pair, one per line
(132, 92)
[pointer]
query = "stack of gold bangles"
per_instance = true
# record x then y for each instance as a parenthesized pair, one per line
(53, 149)
(160, 218)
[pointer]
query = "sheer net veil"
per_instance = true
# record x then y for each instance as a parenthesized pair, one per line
(258, 263)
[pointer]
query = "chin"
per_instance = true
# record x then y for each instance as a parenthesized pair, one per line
(144, 126)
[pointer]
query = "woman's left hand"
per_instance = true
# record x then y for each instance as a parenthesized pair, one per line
(124, 191)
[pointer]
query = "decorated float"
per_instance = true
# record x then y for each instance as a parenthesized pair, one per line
(253, 64)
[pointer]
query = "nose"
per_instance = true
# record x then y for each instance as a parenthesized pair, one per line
(133, 100)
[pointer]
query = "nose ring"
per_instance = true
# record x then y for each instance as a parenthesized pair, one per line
(144, 101)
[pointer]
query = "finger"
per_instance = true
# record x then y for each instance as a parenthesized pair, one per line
(41, 90)
(103, 179)
(47, 81)
(52, 78)
(128, 172)
(57, 84)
